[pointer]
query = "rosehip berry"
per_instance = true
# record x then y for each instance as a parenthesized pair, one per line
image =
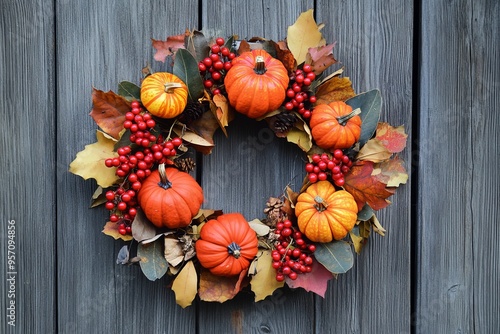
(220, 41)
(135, 104)
(338, 154)
(313, 178)
(215, 48)
(309, 167)
(109, 205)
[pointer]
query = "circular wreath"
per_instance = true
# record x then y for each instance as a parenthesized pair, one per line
(141, 162)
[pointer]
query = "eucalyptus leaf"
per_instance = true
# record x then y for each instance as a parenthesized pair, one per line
(365, 213)
(186, 68)
(197, 45)
(336, 256)
(370, 104)
(153, 263)
(128, 89)
(142, 228)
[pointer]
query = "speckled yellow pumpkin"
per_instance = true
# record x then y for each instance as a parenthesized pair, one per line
(324, 213)
(164, 94)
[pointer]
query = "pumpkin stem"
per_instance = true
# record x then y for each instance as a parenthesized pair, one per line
(260, 65)
(164, 182)
(320, 204)
(344, 119)
(171, 86)
(234, 249)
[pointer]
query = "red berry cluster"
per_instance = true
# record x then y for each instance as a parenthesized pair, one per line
(323, 166)
(135, 166)
(292, 255)
(298, 96)
(214, 67)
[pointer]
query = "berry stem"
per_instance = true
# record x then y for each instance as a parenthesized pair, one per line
(170, 87)
(164, 182)
(260, 66)
(344, 119)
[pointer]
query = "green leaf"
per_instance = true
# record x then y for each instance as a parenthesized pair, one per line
(153, 263)
(370, 104)
(336, 256)
(129, 90)
(186, 68)
(197, 44)
(365, 213)
(229, 44)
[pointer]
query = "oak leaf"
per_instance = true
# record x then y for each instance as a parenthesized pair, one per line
(168, 47)
(264, 282)
(109, 111)
(393, 138)
(111, 229)
(335, 89)
(304, 34)
(89, 163)
(219, 288)
(366, 188)
(185, 285)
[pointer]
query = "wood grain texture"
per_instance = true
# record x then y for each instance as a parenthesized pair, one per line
(374, 43)
(247, 168)
(458, 270)
(99, 44)
(27, 162)
(485, 123)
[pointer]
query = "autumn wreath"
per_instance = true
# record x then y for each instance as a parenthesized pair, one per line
(142, 164)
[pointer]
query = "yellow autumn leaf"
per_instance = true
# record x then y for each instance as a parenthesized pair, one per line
(264, 281)
(304, 34)
(374, 151)
(111, 229)
(89, 163)
(185, 285)
(300, 135)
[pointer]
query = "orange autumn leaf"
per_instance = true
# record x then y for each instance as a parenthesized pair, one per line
(391, 172)
(285, 56)
(168, 47)
(393, 138)
(109, 111)
(219, 288)
(367, 188)
(335, 89)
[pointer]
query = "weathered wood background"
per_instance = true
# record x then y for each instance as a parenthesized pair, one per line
(437, 66)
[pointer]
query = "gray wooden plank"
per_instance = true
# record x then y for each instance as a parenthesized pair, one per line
(99, 44)
(458, 258)
(28, 169)
(248, 167)
(374, 44)
(485, 123)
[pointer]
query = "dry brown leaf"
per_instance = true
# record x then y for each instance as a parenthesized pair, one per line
(173, 251)
(218, 288)
(373, 151)
(108, 111)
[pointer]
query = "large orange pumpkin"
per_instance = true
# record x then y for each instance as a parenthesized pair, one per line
(256, 83)
(164, 94)
(335, 125)
(324, 214)
(170, 198)
(227, 245)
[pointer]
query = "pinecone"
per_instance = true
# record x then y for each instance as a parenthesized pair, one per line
(274, 212)
(185, 164)
(284, 121)
(192, 112)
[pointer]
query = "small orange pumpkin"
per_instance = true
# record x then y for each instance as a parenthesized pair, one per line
(324, 214)
(256, 83)
(170, 198)
(335, 125)
(164, 94)
(227, 245)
